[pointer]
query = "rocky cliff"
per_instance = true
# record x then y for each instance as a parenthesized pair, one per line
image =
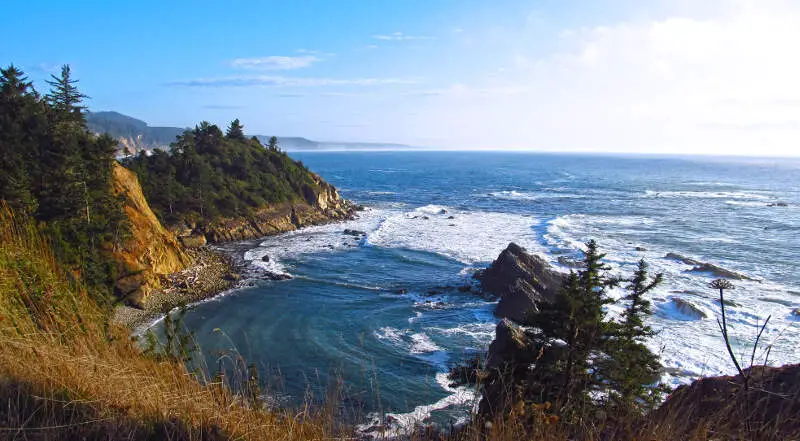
(321, 204)
(521, 280)
(151, 251)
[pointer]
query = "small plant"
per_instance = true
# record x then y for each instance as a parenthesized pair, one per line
(178, 345)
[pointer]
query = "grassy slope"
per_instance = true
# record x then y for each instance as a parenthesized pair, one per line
(65, 373)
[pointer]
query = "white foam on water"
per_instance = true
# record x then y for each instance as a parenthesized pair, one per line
(403, 423)
(469, 237)
(422, 344)
(482, 333)
(515, 195)
(690, 346)
(315, 239)
(746, 195)
(415, 343)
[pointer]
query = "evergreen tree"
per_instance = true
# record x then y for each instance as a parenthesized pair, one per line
(577, 352)
(273, 144)
(22, 124)
(55, 170)
(65, 99)
(631, 368)
(235, 130)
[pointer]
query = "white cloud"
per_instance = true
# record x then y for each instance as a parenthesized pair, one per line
(726, 83)
(279, 81)
(398, 36)
(276, 62)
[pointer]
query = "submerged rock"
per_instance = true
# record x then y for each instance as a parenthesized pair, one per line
(521, 280)
(688, 309)
(265, 258)
(705, 267)
(276, 276)
(640, 249)
(569, 262)
(796, 312)
(778, 204)
(350, 232)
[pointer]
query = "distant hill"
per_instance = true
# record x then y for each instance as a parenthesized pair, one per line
(132, 133)
(137, 135)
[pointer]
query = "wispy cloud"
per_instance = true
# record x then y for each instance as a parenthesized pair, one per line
(222, 107)
(275, 62)
(398, 36)
(278, 81)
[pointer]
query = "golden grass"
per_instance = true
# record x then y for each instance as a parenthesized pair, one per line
(59, 355)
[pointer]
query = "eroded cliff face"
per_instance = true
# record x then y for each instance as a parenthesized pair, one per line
(151, 252)
(321, 204)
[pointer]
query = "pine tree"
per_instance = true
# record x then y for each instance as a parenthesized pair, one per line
(22, 124)
(235, 130)
(273, 144)
(631, 367)
(573, 330)
(65, 99)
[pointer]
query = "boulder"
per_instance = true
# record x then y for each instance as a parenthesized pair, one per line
(512, 347)
(520, 280)
(276, 276)
(796, 312)
(195, 240)
(265, 258)
(705, 267)
(569, 262)
(641, 249)
(688, 309)
(356, 233)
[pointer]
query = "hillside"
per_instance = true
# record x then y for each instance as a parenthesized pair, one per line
(136, 135)
(228, 187)
(133, 134)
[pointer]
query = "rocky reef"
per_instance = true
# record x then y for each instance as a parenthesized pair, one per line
(521, 280)
(705, 267)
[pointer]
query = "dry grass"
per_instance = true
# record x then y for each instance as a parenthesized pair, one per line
(66, 373)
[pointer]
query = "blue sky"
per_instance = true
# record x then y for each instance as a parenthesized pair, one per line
(670, 76)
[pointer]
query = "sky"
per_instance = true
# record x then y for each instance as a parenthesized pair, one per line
(659, 76)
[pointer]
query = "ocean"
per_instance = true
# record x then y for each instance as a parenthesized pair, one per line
(375, 316)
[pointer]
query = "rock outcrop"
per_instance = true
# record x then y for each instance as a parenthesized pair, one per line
(521, 280)
(705, 267)
(151, 250)
(510, 349)
(321, 204)
(722, 408)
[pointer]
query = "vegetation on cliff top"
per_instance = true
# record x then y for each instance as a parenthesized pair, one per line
(58, 173)
(207, 175)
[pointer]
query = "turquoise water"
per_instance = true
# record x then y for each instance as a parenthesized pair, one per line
(382, 316)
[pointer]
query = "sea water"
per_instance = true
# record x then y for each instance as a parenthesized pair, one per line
(377, 318)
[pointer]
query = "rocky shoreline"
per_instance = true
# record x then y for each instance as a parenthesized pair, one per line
(211, 273)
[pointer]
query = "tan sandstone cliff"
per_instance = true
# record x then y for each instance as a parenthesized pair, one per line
(151, 251)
